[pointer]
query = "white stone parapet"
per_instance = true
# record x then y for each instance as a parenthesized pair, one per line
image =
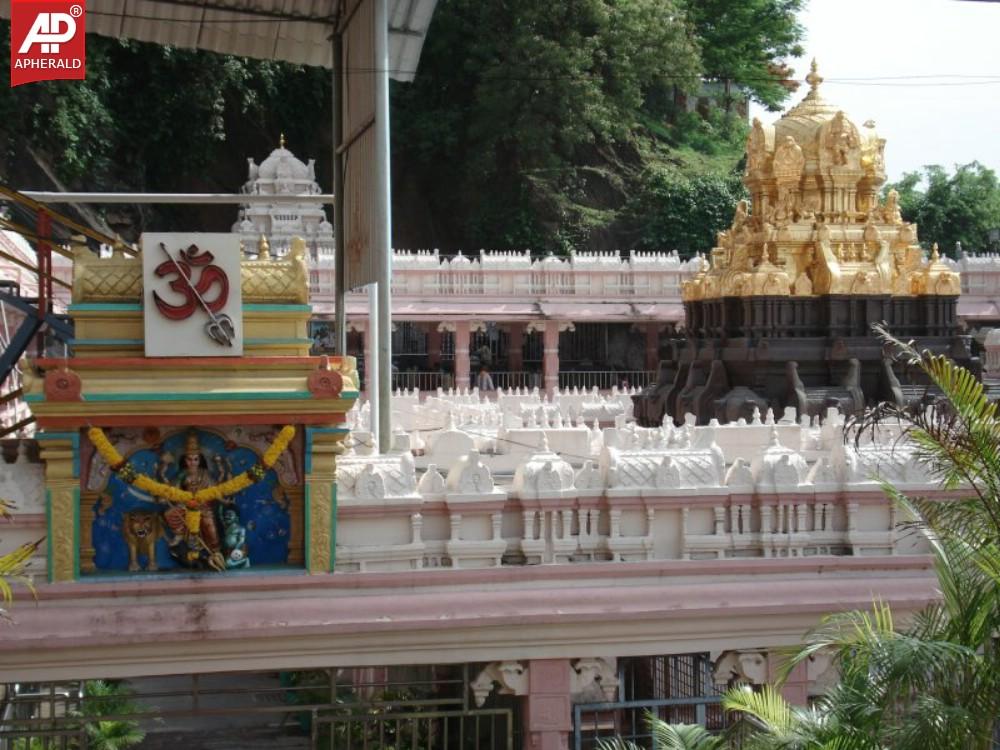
(653, 276)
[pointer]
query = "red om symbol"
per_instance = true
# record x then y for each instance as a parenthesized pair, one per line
(209, 276)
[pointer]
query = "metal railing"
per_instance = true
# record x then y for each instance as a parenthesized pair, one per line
(508, 379)
(420, 381)
(605, 380)
(378, 708)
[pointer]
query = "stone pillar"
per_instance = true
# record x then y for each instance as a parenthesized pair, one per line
(548, 718)
(515, 347)
(652, 346)
(371, 376)
(434, 347)
(62, 491)
(550, 355)
(324, 445)
(462, 362)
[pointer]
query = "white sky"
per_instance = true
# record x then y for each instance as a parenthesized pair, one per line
(922, 124)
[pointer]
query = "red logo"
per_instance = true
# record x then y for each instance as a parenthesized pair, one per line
(47, 41)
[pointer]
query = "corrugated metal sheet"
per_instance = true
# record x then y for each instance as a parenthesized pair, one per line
(364, 230)
(297, 31)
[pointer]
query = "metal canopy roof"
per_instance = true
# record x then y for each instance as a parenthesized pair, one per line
(297, 31)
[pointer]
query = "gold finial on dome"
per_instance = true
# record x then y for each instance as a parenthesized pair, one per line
(281, 141)
(935, 253)
(814, 79)
(263, 249)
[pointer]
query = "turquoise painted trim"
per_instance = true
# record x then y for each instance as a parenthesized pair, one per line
(308, 450)
(31, 398)
(48, 534)
(76, 455)
(307, 512)
(255, 307)
(221, 396)
(333, 528)
(57, 435)
(329, 430)
(259, 342)
(106, 342)
(106, 306)
(76, 534)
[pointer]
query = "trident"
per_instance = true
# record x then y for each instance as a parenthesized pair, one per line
(219, 327)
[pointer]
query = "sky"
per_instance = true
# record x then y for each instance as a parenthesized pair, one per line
(926, 71)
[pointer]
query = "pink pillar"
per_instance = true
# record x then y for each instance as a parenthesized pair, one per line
(550, 355)
(796, 688)
(652, 346)
(515, 349)
(548, 718)
(462, 363)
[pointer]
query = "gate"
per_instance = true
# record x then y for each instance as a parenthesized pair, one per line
(678, 689)
(374, 708)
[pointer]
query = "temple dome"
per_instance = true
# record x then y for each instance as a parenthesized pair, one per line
(282, 164)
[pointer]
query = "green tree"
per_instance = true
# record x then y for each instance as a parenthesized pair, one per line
(105, 704)
(961, 207)
(745, 44)
(548, 125)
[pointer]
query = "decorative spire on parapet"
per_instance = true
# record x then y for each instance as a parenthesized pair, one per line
(815, 224)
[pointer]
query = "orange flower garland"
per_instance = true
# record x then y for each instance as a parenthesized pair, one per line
(173, 494)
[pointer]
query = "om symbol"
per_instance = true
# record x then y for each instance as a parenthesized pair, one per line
(210, 284)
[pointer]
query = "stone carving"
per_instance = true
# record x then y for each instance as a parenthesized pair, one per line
(668, 475)
(509, 677)
(739, 475)
(741, 667)
(470, 476)
(788, 160)
(369, 484)
(594, 675)
(431, 483)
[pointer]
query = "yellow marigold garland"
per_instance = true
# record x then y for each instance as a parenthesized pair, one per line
(175, 494)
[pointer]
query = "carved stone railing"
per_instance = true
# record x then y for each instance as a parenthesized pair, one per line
(645, 495)
(423, 273)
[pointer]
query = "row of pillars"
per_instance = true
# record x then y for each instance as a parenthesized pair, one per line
(550, 330)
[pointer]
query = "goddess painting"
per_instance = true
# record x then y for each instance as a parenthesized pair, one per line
(250, 526)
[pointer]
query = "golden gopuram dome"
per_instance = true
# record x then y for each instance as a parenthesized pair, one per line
(816, 224)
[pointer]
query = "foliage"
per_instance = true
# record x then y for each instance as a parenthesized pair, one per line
(746, 43)
(154, 118)
(542, 125)
(687, 209)
(935, 681)
(105, 703)
(559, 125)
(961, 207)
(13, 564)
(669, 737)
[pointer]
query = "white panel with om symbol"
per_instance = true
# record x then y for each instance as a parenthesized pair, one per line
(192, 301)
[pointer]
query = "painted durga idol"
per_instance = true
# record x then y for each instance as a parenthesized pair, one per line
(191, 500)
